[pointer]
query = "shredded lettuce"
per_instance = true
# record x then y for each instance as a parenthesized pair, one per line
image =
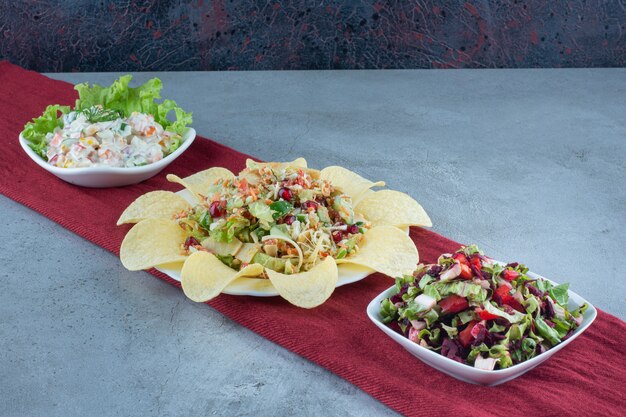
(547, 332)
(229, 229)
(514, 317)
(433, 336)
(452, 331)
(473, 292)
(579, 311)
(263, 212)
(531, 304)
(496, 328)
(562, 327)
(560, 294)
(404, 280)
(425, 280)
(388, 310)
(471, 250)
(431, 317)
(431, 291)
(280, 230)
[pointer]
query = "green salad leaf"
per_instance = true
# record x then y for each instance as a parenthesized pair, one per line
(35, 131)
(263, 212)
(227, 231)
(119, 96)
(469, 290)
(560, 294)
(547, 332)
(388, 311)
(280, 208)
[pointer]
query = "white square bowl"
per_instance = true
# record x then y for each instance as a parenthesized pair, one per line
(468, 373)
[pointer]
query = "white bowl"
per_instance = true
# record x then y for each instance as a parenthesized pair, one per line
(102, 177)
(468, 373)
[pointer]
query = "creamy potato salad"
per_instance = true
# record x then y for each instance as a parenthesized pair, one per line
(112, 140)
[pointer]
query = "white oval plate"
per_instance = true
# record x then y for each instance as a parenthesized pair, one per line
(259, 287)
(103, 177)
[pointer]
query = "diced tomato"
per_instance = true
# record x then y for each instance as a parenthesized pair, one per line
(476, 263)
(485, 315)
(510, 275)
(466, 271)
(465, 336)
(461, 258)
(501, 294)
(453, 304)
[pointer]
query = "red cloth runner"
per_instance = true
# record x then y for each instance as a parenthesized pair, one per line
(586, 378)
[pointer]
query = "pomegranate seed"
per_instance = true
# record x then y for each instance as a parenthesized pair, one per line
(191, 241)
(215, 209)
(309, 204)
(321, 200)
(285, 194)
(353, 229)
(337, 236)
(289, 219)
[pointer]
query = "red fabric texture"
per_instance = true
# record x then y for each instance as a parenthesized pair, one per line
(586, 378)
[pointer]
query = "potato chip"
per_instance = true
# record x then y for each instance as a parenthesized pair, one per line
(223, 248)
(178, 180)
(253, 178)
(388, 207)
(153, 205)
(204, 277)
(307, 289)
(386, 249)
(314, 173)
(297, 163)
(349, 182)
(152, 242)
(200, 181)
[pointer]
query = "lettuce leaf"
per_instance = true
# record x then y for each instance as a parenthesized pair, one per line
(404, 280)
(547, 332)
(229, 229)
(388, 310)
(560, 294)
(263, 212)
(119, 96)
(579, 311)
(431, 291)
(35, 131)
(473, 292)
(514, 317)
